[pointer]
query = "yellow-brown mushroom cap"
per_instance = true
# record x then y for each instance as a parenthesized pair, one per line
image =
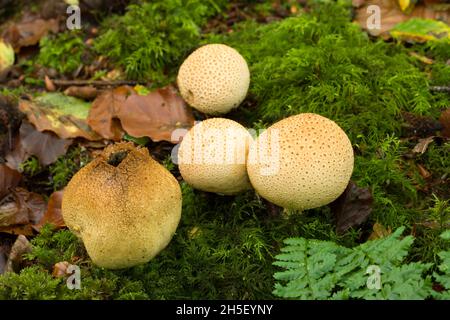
(125, 213)
(212, 156)
(301, 162)
(214, 79)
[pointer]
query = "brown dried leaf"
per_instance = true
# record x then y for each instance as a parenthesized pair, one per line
(63, 115)
(444, 119)
(423, 172)
(391, 14)
(379, 231)
(28, 33)
(85, 92)
(422, 145)
(20, 210)
(352, 208)
(60, 269)
(9, 179)
(49, 85)
(419, 126)
(155, 115)
(15, 259)
(53, 214)
(46, 146)
(103, 114)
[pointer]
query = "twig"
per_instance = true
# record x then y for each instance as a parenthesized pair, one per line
(440, 88)
(98, 83)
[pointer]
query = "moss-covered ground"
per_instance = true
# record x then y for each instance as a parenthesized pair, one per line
(309, 62)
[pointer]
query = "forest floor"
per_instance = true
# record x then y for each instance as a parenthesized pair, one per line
(389, 92)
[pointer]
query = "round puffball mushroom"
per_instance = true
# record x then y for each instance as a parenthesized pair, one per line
(212, 156)
(301, 162)
(124, 206)
(214, 79)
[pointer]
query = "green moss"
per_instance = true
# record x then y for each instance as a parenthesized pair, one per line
(66, 166)
(32, 283)
(152, 37)
(65, 52)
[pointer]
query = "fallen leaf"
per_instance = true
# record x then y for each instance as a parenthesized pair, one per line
(379, 231)
(419, 126)
(49, 85)
(352, 208)
(444, 120)
(84, 92)
(390, 15)
(421, 58)
(10, 119)
(60, 269)
(155, 115)
(46, 146)
(28, 33)
(19, 210)
(53, 214)
(15, 260)
(9, 179)
(63, 115)
(5, 249)
(423, 172)
(103, 114)
(420, 30)
(422, 145)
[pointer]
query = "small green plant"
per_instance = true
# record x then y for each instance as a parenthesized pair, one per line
(324, 270)
(152, 37)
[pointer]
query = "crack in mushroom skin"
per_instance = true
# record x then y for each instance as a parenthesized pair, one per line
(124, 214)
(315, 162)
(214, 79)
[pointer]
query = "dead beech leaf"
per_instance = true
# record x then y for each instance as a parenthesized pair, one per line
(423, 172)
(28, 33)
(103, 114)
(49, 85)
(53, 214)
(444, 119)
(379, 231)
(60, 269)
(19, 210)
(15, 260)
(391, 15)
(352, 208)
(422, 145)
(84, 92)
(46, 146)
(9, 179)
(419, 126)
(63, 115)
(155, 115)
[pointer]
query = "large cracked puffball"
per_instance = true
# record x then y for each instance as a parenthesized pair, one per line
(213, 154)
(124, 206)
(214, 79)
(301, 162)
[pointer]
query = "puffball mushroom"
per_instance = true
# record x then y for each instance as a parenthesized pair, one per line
(301, 162)
(124, 205)
(214, 79)
(212, 156)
